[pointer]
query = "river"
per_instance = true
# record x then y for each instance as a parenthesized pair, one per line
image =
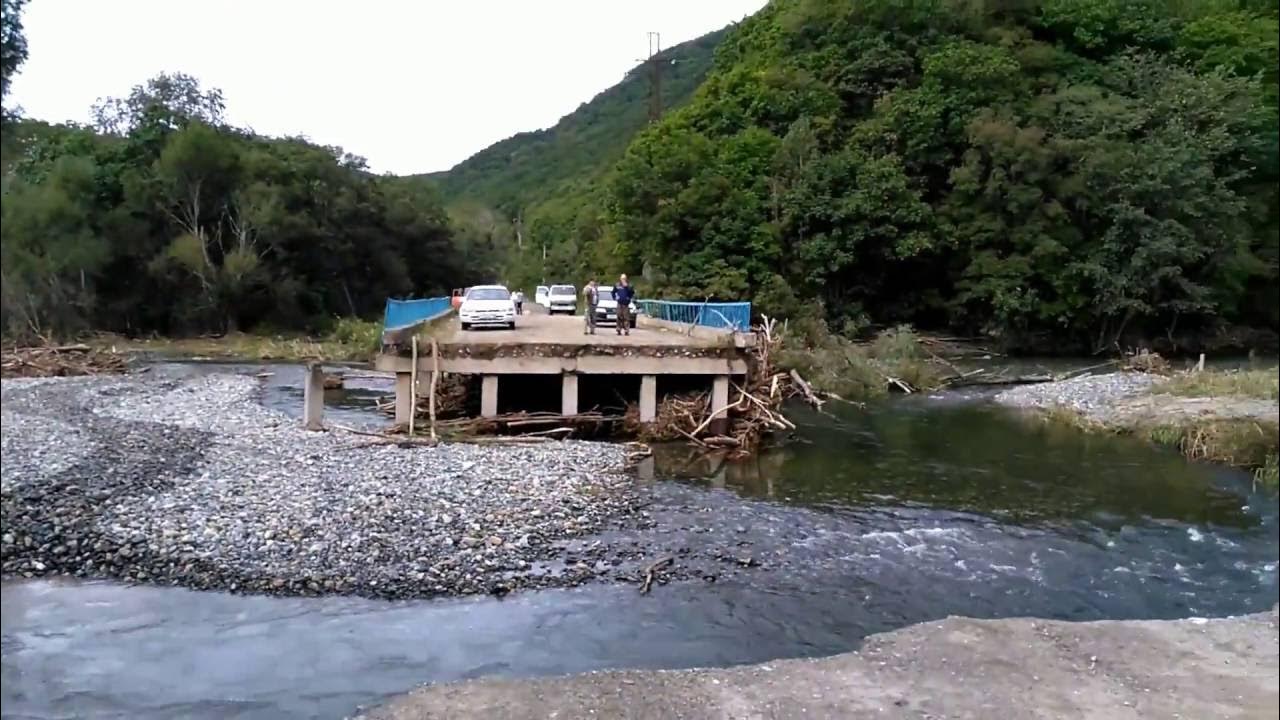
(905, 511)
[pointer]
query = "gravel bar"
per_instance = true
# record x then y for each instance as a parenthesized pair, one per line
(192, 481)
(1093, 396)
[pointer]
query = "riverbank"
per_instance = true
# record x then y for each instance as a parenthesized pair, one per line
(191, 481)
(349, 341)
(1231, 417)
(957, 668)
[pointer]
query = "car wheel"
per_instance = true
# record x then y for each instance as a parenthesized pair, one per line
(466, 326)
(633, 322)
(511, 325)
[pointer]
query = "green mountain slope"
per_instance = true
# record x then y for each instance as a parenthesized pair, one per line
(1089, 173)
(530, 166)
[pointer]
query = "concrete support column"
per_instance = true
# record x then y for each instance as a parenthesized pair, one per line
(489, 396)
(648, 398)
(313, 398)
(404, 397)
(568, 394)
(720, 401)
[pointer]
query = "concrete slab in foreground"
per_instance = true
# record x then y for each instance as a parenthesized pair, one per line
(955, 668)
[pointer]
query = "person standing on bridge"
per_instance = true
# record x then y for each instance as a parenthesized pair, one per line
(591, 294)
(623, 294)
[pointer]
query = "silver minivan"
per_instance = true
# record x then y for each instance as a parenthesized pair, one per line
(562, 299)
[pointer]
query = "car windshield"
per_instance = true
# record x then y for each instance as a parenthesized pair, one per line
(562, 290)
(489, 294)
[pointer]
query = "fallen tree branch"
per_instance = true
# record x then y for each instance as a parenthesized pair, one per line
(715, 414)
(652, 571)
(805, 389)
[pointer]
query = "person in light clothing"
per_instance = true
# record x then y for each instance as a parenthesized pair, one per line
(517, 297)
(591, 294)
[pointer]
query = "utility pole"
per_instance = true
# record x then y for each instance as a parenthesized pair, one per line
(655, 77)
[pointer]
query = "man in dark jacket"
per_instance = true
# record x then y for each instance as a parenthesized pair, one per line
(623, 294)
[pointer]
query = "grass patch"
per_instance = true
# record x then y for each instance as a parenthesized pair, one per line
(1260, 384)
(358, 336)
(858, 371)
(350, 340)
(1244, 443)
(1238, 442)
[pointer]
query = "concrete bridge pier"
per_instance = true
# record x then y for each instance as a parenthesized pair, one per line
(719, 403)
(648, 398)
(404, 397)
(313, 398)
(568, 394)
(489, 396)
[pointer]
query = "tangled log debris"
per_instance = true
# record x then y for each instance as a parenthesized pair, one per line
(753, 412)
(61, 361)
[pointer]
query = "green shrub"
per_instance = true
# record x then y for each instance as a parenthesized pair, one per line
(359, 336)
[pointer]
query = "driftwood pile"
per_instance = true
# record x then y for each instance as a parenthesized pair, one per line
(60, 361)
(754, 410)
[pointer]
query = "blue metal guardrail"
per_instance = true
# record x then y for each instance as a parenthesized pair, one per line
(725, 315)
(407, 312)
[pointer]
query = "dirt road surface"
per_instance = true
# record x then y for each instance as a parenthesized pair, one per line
(954, 668)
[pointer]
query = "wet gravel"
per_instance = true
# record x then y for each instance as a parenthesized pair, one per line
(192, 481)
(1093, 396)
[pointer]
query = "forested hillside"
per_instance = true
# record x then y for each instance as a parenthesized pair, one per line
(527, 167)
(1057, 174)
(548, 184)
(1080, 172)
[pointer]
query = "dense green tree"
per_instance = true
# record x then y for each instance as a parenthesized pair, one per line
(1093, 170)
(170, 100)
(13, 43)
(174, 223)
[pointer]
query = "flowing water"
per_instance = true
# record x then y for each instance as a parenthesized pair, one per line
(900, 513)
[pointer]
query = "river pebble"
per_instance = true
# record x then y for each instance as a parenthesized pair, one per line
(1090, 395)
(192, 481)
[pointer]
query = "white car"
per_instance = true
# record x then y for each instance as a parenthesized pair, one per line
(489, 305)
(607, 307)
(542, 296)
(562, 298)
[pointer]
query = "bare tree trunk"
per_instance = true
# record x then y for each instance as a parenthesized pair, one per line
(350, 303)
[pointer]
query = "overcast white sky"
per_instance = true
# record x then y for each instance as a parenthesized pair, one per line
(412, 85)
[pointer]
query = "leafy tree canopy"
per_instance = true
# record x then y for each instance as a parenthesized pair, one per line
(164, 219)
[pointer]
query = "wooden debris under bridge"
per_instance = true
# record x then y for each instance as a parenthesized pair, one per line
(60, 361)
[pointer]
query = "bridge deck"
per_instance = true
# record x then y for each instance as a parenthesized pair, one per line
(564, 330)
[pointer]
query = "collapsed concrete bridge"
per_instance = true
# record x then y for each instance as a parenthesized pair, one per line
(543, 345)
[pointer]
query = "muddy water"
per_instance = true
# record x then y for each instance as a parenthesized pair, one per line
(901, 513)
